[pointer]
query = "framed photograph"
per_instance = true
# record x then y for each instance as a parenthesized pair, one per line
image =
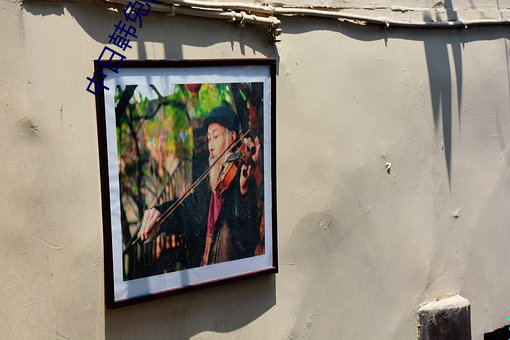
(187, 162)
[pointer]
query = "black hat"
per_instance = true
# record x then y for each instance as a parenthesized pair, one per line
(223, 115)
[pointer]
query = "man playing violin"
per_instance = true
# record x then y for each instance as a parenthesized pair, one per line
(223, 225)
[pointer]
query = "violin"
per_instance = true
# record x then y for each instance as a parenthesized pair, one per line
(231, 165)
(233, 161)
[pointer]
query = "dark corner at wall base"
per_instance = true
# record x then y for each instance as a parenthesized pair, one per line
(502, 333)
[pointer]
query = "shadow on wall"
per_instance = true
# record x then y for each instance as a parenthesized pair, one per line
(171, 32)
(439, 70)
(222, 309)
(443, 54)
(439, 44)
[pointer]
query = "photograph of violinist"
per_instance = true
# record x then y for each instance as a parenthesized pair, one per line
(191, 174)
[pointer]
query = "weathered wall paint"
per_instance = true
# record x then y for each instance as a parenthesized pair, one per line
(360, 248)
(405, 10)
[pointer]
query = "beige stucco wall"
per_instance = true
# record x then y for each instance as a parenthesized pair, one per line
(359, 249)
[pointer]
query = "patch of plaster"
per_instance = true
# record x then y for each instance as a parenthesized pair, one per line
(49, 244)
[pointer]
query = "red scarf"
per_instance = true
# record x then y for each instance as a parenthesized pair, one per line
(214, 212)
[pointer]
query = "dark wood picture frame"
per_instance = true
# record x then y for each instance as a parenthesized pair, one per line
(151, 145)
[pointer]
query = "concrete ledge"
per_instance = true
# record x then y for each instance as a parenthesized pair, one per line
(445, 319)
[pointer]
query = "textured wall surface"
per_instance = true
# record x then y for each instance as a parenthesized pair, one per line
(418, 10)
(360, 247)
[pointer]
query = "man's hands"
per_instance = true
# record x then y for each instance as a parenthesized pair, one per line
(248, 169)
(149, 218)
